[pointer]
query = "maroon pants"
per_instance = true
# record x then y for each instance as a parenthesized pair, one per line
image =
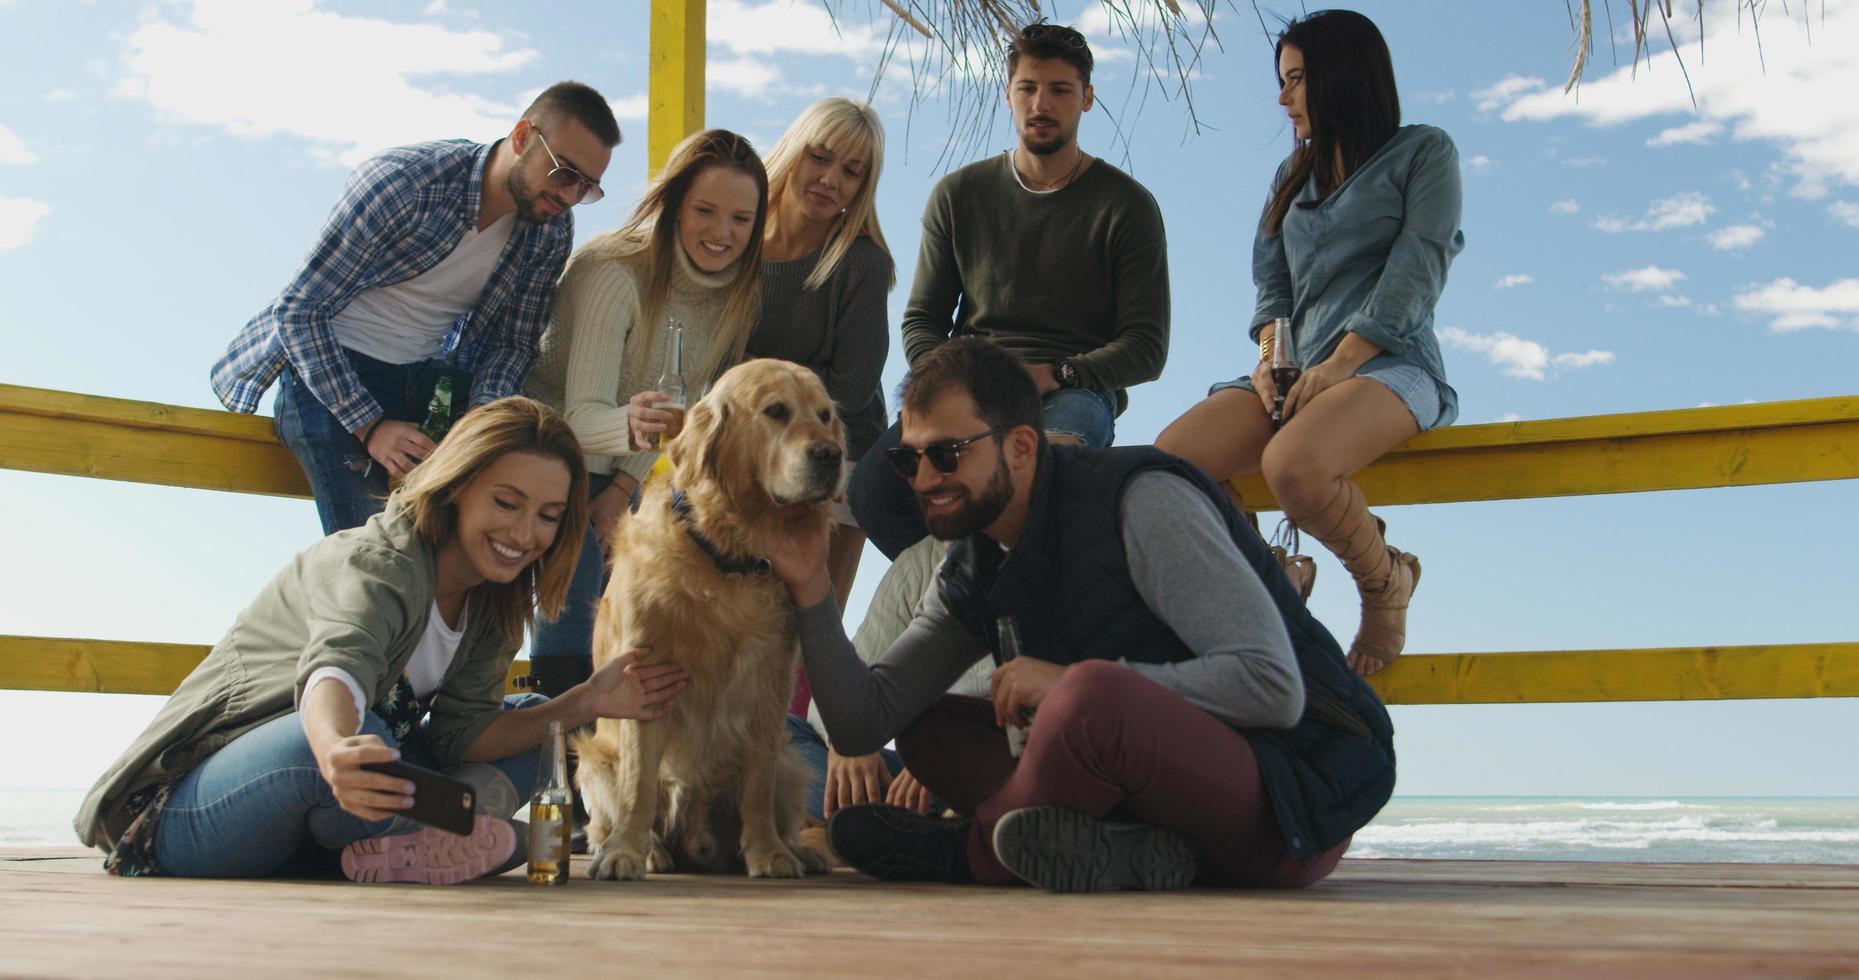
(1110, 742)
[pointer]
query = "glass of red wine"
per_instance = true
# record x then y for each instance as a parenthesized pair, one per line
(1284, 367)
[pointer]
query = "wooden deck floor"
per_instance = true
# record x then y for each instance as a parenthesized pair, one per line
(61, 916)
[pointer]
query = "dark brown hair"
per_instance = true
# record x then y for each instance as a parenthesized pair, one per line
(1043, 41)
(1349, 100)
(1004, 393)
(573, 100)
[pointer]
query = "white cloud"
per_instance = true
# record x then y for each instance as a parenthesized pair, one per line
(1846, 211)
(1780, 91)
(1647, 280)
(1697, 132)
(1514, 279)
(1583, 161)
(1506, 91)
(789, 27)
(1518, 357)
(60, 95)
(366, 103)
(1438, 98)
(18, 216)
(1734, 237)
(13, 149)
(632, 108)
(1796, 307)
(1681, 210)
(1480, 165)
(1567, 205)
(748, 77)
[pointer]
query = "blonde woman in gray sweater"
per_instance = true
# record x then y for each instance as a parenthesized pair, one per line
(692, 251)
(825, 273)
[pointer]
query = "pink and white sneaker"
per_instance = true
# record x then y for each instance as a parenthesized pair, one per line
(430, 856)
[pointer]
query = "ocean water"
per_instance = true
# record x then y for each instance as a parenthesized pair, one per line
(1746, 829)
(1762, 830)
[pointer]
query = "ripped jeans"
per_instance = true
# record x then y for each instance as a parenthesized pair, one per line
(348, 484)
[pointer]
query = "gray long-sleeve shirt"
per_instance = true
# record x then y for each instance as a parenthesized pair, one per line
(1244, 671)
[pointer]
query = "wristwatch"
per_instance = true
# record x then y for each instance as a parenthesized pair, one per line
(1066, 373)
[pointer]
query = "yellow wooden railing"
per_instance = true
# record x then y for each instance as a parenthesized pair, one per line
(1782, 442)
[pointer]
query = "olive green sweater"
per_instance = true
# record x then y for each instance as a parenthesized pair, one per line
(1079, 273)
(357, 600)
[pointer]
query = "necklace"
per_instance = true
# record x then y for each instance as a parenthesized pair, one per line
(1013, 159)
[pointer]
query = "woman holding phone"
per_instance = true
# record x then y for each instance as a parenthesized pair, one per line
(391, 641)
(1360, 225)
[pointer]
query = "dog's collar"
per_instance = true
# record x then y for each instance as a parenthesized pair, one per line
(725, 562)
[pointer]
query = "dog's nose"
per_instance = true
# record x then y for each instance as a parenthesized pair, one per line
(825, 454)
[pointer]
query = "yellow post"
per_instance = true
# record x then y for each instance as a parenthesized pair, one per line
(676, 87)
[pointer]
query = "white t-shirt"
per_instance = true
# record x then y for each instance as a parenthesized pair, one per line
(407, 322)
(432, 657)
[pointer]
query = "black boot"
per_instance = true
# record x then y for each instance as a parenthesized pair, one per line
(552, 677)
(895, 844)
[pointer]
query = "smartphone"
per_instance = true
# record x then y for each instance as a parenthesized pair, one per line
(438, 800)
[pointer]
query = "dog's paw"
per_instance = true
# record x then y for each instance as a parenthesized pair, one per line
(617, 864)
(810, 859)
(659, 860)
(775, 863)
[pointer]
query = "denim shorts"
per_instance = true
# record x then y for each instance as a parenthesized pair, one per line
(1085, 414)
(1411, 384)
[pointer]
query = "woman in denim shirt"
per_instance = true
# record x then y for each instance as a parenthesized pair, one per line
(1360, 226)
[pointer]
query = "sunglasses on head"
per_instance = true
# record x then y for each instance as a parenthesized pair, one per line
(578, 187)
(943, 456)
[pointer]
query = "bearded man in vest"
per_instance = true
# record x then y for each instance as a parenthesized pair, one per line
(1187, 720)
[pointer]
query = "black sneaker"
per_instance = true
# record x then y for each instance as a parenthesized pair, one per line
(1064, 850)
(895, 844)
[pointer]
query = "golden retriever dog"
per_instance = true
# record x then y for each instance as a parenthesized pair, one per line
(713, 784)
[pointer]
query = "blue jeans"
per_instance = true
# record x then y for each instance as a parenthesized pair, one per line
(812, 748)
(572, 634)
(348, 484)
(887, 510)
(250, 808)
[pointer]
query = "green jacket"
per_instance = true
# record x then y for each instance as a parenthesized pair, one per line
(357, 600)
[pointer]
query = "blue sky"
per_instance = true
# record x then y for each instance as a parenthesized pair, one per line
(163, 166)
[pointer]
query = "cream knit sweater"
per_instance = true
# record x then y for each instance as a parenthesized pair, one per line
(595, 353)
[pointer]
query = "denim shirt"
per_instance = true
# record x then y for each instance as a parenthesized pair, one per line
(1370, 259)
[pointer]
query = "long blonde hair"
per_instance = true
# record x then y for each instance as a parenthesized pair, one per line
(843, 128)
(486, 434)
(648, 240)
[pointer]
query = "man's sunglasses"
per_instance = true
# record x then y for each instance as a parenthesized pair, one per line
(578, 187)
(944, 456)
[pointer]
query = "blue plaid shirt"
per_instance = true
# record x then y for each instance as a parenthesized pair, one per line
(401, 213)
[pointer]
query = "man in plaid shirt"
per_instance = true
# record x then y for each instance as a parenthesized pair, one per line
(440, 260)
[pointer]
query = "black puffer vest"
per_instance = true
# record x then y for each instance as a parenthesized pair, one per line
(1067, 581)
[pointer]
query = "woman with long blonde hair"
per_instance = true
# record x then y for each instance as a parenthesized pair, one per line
(690, 252)
(825, 274)
(390, 641)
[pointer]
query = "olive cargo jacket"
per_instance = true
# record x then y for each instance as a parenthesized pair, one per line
(357, 600)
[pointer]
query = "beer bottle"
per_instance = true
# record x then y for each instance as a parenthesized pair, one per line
(439, 410)
(1007, 647)
(551, 813)
(671, 383)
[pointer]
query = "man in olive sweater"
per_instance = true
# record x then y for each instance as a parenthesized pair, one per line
(1056, 256)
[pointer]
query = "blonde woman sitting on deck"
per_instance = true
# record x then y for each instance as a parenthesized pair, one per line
(389, 641)
(1352, 250)
(825, 274)
(692, 251)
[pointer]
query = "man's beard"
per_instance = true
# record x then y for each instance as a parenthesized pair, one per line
(525, 196)
(978, 513)
(1046, 148)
